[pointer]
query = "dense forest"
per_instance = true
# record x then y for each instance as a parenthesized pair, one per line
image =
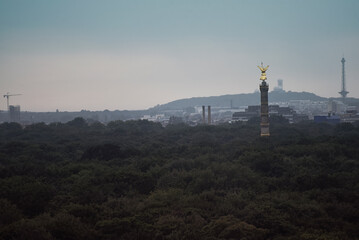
(138, 180)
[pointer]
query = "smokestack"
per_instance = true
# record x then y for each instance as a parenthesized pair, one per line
(209, 115)
(204, 114)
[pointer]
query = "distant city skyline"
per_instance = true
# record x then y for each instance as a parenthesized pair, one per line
(95, 55)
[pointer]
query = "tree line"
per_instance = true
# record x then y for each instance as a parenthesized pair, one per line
(139, 180)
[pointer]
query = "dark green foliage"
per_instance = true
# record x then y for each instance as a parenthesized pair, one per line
(29, 194)
(9, 212)
(138, 180)
(107, 151)
(25, 229)
(78, 122)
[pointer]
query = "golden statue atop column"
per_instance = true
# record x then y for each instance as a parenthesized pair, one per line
(263, 70)
(264, 102)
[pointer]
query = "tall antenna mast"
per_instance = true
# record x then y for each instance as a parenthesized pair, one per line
(344, 92)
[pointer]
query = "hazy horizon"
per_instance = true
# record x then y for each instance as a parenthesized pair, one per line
(74, 55)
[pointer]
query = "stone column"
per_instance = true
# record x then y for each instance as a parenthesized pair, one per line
(264, 109)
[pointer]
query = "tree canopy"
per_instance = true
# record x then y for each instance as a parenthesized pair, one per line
(138, 180)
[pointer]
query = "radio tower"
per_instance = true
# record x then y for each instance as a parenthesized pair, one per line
(343, 92)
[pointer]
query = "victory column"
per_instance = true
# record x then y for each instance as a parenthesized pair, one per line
(264, 102)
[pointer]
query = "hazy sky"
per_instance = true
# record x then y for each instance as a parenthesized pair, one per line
(112, 54)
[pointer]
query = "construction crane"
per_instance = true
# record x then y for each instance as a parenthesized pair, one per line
(7, 98)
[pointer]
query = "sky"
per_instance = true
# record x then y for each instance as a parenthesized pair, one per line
(74, 55)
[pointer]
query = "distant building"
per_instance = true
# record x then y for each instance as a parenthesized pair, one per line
(351, 115)
(175, 120)
(336, 107)
(309, 108)
(161, 118)
(274, 110)
(251, 111)
(14, 113)
(332, 119)
(279, 87)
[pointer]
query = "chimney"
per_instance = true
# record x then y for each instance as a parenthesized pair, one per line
(209, 115)
(204, 114)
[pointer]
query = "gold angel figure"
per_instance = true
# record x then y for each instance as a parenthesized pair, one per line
(263, 69)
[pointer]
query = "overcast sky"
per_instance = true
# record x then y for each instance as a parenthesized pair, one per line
(111, 54)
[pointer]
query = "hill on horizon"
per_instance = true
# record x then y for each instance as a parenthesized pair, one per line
(242, 99)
